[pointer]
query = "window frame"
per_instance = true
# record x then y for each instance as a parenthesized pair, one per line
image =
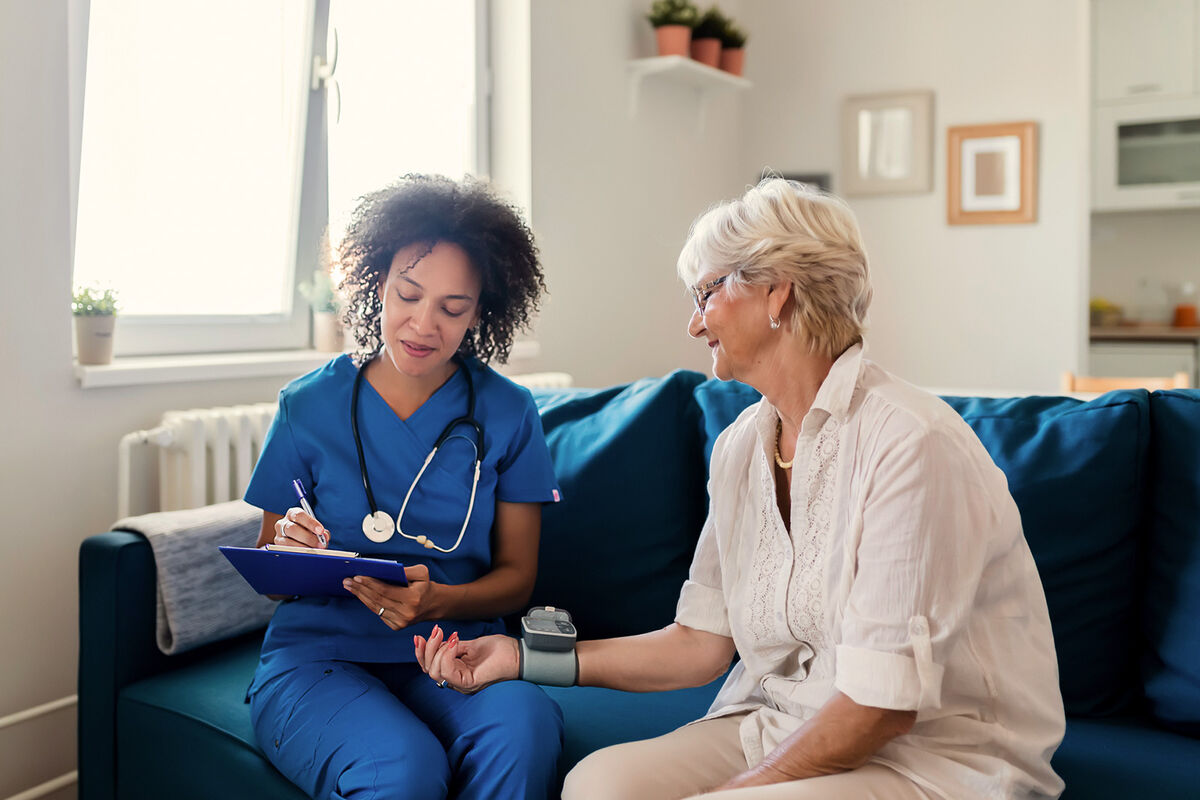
(186, 335)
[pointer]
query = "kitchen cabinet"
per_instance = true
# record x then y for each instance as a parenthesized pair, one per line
(1144, 49)
(1146, 155)
(1142, 359)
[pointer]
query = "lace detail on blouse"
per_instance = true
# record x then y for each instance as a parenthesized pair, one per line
(810, 537)
(771, 565)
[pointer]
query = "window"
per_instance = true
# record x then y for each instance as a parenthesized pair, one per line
(203, 174)
(408, 80)
(189, 184)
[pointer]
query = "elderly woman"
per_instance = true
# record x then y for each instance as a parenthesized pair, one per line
(862, 555)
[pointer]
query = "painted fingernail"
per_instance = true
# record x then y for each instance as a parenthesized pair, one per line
(436, 629)
(453, 638)
(416, 641)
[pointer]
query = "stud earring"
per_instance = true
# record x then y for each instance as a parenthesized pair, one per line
(774, 322)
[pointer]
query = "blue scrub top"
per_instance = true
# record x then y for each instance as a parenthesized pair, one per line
(311, 438)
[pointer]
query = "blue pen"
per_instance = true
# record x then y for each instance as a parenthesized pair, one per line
(298, 485)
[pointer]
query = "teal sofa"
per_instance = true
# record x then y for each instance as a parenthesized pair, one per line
(1109, 492)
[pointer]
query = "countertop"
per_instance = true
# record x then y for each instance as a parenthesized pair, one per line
(1144, 333)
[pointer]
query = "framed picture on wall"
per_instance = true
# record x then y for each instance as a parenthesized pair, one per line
(887, 143)
(991, 174)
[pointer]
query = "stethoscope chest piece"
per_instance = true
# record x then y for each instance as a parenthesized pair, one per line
(378, 527)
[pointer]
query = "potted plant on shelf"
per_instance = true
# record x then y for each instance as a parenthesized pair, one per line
(95, 314)
(706, 37)
(673, 21)
(327, 327)
(733, 48)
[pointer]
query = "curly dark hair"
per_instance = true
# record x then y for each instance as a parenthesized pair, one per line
(427, 209)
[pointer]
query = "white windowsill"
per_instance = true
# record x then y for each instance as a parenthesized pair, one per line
(140, 370)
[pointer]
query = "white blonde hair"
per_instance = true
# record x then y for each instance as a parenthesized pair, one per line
(784, 231)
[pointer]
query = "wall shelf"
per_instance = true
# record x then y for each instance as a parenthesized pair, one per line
(684, 72)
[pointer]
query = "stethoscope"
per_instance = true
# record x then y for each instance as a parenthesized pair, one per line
(377, 526)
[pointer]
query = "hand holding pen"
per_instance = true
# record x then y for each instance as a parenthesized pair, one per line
(300, 527)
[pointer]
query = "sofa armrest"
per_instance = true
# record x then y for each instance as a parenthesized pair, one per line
(116, 646)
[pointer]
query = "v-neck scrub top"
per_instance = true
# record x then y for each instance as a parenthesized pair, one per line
(312, 439)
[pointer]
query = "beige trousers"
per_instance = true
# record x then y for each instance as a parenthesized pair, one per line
(696, 758)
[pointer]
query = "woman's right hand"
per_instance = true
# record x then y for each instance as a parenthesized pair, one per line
(299, 529)
(467, 666)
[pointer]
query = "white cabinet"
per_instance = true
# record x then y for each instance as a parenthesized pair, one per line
(1142, 359)
(1144, 49)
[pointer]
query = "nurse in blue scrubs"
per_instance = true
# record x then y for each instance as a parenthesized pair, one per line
(440, 275)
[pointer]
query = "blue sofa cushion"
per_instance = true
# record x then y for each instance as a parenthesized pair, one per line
(1077, 472)
(1120, 758)
(1171, 614)
(720, 404)
(616, 550)
(192, 721)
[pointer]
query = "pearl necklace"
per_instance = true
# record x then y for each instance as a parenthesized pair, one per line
(779, 458)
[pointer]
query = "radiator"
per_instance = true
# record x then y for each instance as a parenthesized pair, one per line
(206, 455)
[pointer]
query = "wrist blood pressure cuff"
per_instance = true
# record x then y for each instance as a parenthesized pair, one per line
(547, 652)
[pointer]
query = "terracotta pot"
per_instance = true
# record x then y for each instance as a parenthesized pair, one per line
(707, 51)
(673, 39)
(327, 332)
(733, 59)
(94, 339)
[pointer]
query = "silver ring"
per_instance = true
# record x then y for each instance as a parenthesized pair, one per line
(381, 610)
(442, 683)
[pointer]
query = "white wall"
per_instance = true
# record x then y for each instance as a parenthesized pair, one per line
(997, 306)
(613, 194)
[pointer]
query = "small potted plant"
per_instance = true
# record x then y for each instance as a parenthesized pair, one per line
(95, 314)
(673, 21)
(327, 328)
(706, 37)
(733, 48)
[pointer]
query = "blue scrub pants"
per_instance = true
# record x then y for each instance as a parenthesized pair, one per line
(348, 731)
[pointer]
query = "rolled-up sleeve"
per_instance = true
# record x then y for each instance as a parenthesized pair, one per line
(702, 599)
(926, 527)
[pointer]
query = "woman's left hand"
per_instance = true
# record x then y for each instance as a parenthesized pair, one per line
(396, 606)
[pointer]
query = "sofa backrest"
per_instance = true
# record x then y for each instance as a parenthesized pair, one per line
(616, 549)
(1171, 612)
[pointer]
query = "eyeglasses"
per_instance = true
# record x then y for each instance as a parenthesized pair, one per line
(700, 294)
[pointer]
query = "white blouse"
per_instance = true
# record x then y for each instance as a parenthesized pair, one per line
(905, 583)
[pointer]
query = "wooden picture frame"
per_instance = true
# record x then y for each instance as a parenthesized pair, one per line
(991, 174)
(887, 143)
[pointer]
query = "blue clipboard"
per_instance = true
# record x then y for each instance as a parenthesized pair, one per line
(307, 574)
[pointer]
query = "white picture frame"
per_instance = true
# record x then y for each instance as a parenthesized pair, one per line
(887, 143)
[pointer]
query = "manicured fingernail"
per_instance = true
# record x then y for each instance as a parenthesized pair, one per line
(453, 638)
(416, 641)
(436, 629)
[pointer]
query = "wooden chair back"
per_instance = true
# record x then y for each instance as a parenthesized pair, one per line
(1084, 383)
